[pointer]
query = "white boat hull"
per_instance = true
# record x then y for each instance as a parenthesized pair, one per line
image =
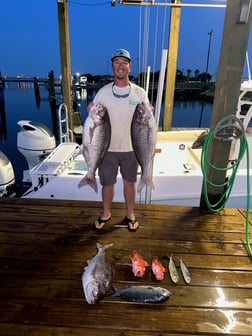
(177, 175)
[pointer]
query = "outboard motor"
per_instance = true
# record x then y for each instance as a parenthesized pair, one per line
(7, 177)
(34, 141)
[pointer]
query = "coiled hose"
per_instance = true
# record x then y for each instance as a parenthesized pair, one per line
(228, 184)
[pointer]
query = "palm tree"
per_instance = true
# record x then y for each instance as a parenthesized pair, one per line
(188, 74)
(196, 74)
(179, 75)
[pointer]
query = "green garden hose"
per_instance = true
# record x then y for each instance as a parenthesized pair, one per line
(219, 205)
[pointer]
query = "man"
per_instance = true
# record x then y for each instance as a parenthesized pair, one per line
(120, 98)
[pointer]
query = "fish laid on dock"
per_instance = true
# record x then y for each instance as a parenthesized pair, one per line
(185, 271)
(143, 294)
(138, 264)
(157, 268)
(97, 276)
(143, 136)
(173, 271)
(95, 139)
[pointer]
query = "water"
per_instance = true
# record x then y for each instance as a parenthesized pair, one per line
(20, 104)
(191, 114)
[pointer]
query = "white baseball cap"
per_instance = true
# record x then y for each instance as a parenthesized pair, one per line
(121, 53)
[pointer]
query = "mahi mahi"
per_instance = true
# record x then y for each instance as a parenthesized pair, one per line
(143, 135)
(97, 276)
(95, 139)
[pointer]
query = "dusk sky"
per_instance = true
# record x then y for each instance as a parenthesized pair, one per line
(29, 41)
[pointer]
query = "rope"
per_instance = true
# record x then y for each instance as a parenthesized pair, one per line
(154, 58)
(139, 43)
(219, 205)
(164, 27)
(145, 42)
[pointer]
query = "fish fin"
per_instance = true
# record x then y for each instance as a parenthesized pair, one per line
(90, 181)
(88, 262)
(144, 182)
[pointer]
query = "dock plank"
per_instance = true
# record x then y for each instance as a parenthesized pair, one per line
(45, 245)
(144, 318)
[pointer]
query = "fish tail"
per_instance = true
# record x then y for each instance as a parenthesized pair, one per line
(114, 291)
(103, 247)
(90, 181)
(145, 181)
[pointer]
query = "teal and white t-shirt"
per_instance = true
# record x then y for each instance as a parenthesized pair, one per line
(121, 111)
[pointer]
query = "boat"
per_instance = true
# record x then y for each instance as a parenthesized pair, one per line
(177, 174)
(55, 171)
(7, 176)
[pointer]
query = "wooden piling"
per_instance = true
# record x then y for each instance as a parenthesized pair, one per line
(227, 90)
(36, 91)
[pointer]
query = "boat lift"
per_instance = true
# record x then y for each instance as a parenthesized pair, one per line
(173, 3)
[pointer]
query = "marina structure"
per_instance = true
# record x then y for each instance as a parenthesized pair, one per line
(46, 243)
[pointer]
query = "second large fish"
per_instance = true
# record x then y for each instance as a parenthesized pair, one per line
(143, 135)
(95, 140)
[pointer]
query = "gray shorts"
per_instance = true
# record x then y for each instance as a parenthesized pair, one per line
(108, 168)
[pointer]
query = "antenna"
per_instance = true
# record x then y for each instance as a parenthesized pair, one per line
(247, 60)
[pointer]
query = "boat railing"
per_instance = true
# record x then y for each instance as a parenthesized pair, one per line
(65, 134)
(244, 108)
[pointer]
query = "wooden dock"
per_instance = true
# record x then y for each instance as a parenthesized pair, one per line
(44, 246)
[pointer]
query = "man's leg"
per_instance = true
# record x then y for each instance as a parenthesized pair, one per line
(129, 195)
(107, 197)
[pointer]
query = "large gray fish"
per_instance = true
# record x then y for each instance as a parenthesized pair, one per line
(97, 276)
(142, 293)
(143, 136)
(95, 140)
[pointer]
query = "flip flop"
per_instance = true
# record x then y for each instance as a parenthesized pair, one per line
(131, 222)
(100, 222)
